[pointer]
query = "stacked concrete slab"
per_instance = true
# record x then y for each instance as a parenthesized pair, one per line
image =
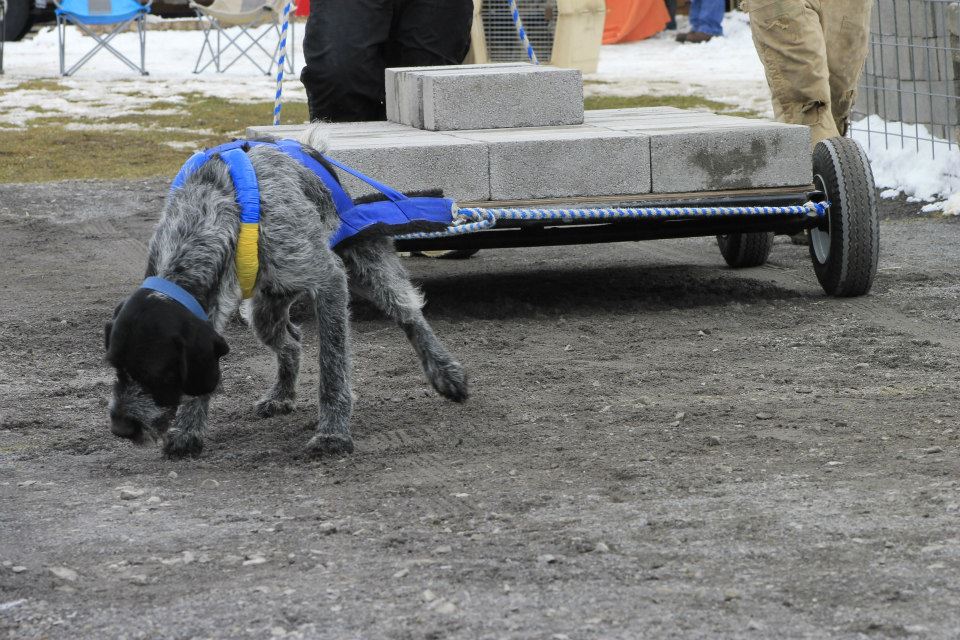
(517, 132)
(912, 71)
(487, 96)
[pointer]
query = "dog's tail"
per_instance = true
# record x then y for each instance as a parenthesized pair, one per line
(317, 136)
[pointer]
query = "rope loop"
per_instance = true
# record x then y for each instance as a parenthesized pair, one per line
(473, 219)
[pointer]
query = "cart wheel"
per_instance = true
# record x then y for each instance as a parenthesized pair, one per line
(448, 254)
(742, 250)
(846, 245)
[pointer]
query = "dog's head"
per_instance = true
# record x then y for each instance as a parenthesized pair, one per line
(161, 352)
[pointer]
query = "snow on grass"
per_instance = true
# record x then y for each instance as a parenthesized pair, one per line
(105, 86)
(907, 159)
(725, 69)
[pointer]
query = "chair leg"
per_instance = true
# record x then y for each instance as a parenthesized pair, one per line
(244, 51)
(102, 43)
(208, 26)
(142, 32)
(61, 37)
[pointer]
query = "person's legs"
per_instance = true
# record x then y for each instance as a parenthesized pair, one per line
(694, 15)
(430, 32)
(709, 17)
(846, 26)
(790, 41)
(343, 47)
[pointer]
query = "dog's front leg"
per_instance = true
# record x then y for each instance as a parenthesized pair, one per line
(336, 404)
(185, 437)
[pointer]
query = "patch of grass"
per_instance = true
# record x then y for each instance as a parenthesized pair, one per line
(51, 152)
(629, 102)
(742, 114)
(680, 102)
(46, 150)
(38, 84)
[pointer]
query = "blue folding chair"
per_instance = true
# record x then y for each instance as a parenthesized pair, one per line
(121, 13)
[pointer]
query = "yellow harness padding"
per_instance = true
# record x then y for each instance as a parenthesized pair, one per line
(247, 257)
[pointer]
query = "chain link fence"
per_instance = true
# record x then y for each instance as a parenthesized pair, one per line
(909, 94)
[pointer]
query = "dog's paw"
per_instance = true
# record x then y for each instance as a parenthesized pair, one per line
(450, 381)
(329, 444)
(271, 406)
(178, 445)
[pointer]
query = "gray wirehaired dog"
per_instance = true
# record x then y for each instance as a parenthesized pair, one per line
(162, 352)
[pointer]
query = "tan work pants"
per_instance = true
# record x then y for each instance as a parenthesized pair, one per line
(812, 52)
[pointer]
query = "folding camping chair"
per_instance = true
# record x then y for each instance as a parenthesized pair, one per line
(249, 16)
(121, 13)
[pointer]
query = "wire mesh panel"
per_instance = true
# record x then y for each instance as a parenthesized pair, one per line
(539, 20)
(910, 81)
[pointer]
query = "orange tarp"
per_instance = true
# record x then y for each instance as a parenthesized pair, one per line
(629, 20)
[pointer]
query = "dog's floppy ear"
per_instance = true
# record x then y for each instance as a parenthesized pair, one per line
(200, 369)
(108, 327)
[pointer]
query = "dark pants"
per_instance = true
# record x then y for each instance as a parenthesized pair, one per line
(348, 44)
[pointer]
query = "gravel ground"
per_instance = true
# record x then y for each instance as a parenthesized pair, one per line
(657, 446)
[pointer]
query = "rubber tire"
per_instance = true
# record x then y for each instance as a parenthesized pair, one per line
(17, 20)
(853, 219)
(742, 250)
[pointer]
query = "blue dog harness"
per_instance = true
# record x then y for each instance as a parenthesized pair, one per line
(396, 215)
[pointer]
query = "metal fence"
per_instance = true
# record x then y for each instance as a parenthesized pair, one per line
(911, 80)
(539, 20)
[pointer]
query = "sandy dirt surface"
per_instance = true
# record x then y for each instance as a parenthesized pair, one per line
(656, 446)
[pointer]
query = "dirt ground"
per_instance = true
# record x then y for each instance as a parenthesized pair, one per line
(656, 446)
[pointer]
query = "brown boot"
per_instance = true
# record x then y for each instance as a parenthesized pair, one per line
(696, 37)
(682, 37)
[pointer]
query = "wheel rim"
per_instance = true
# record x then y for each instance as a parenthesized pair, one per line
(820, 239)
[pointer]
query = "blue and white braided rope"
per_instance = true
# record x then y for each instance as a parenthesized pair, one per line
(521, 32)
(277, 103)
(472, 219)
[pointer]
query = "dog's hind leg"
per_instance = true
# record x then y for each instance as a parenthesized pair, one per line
(271, 322)
(377, 275)
(336, 403)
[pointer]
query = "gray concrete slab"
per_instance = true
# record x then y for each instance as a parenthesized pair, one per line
(572, 161)
(622, 151)
(403, 88)
(414, 160)
(501, 98)
(694, 151)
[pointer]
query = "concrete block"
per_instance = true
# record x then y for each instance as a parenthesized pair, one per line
(573, 161)
(694, 151)
(403, 87)
(414, 160)
(501, 98)
(734, 158)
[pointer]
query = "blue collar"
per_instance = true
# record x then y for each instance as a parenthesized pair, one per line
(176, 292)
